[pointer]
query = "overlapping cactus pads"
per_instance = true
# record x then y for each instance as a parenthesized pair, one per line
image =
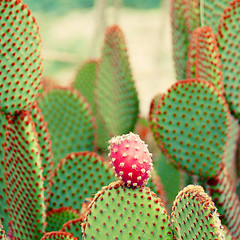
(59, 236)
(229, 48)
(23, 178)
(2, 233)
(57, 217)
(116, 95)
(74, 226)
(69, 120)
(223, 192)
(191, 126)
(182, 27)
(204, 58)
(109, 218)
(195, 216)
(20, 61)
(45, 143)
(212, 11)
(78, 176)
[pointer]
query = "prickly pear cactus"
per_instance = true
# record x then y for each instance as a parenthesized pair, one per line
(85, 82)
(228, 38)
(59, 236)
(74, 226)
(204, 59)
(2, 233)
(77, 176)
(195, 216)
(57, 217)
(21, 65)
(23, 178)
(223, 192)
(45, 143)
(130, 159)
(116, 97)
(191, 125)
(69, 120)
(127, 213)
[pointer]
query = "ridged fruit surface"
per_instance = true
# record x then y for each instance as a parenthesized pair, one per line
(21, 63)
(118, 212)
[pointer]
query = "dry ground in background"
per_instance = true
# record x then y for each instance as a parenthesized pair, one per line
(70, 41)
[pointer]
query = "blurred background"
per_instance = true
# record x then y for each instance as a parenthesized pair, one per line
(72, 32)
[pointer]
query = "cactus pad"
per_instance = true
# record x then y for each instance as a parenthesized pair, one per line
(223, 192)
(118, 212)
(116, 96)
(45, 144)
(228, 42)
(21, 65)
(130, 159)
(23, 178)
(59, 236)
(204, 58)
(195, 216)
(2, 233)
(191, 126)
(69, 120)
(74, 226)
(76, 177)
(57, 217)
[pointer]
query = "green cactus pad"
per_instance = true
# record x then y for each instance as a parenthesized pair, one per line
(59, 236)
(191, 125)
(212, 11)
(183, 14)
(223, 192)
(4, 218)
(20, 62)
(69, 120)
(74, 226)
(116, 97)
(228, 42)
(204, 58)
(85, 83)
(194, 215)
(23, 178)
(57, 217)
(45, 144)
(231, 147)
(76, 177)
(118, 212)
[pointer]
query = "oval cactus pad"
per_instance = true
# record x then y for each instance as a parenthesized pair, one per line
(76, 177)
(191, 126)
(69, 120)
(118, 212)
(74, 226)
(116, 96)
(228, 42)
(204, 58)
(20, 62)
(195, 216)
(23, 178)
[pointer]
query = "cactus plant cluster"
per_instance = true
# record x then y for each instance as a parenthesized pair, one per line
(55, 179)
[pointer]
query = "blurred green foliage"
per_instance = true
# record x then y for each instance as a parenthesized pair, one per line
(142, 4)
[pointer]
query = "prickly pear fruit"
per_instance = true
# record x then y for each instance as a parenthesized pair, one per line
(130, 159)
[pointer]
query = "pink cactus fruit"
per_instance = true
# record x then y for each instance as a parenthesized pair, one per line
(130, 159)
